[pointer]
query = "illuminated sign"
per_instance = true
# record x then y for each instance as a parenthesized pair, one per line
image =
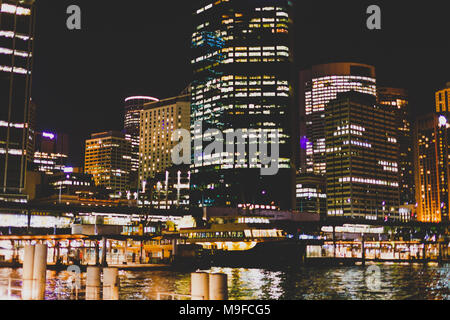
(48, 135)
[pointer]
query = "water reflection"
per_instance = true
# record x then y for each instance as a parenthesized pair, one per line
(307, 283)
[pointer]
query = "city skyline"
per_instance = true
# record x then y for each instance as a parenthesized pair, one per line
(146, 69)
(224, 150)
(245, 76)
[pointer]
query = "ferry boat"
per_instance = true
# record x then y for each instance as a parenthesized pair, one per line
(244, 241)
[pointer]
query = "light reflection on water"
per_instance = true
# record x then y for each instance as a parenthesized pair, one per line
(306, 283)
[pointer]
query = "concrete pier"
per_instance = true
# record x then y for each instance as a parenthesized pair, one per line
(111, 284)
(200, 286)
(39, 272)
(218, 286)
(93, 283)
(27, 278)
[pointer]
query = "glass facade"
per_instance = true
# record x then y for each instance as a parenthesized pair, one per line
(318, 86)
(16, 47)
(242, 59)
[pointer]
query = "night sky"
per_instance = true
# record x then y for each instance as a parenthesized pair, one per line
(142, 47)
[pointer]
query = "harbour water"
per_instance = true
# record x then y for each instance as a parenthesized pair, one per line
(392, 282)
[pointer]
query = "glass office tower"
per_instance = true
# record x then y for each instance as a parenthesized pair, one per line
(242, 59)
(361, 158)
(16, 47)
(317, 87)
(397, 100)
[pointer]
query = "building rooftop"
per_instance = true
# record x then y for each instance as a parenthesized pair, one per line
(107, 134)
(167, 102)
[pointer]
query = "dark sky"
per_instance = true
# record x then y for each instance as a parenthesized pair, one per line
(142, 47)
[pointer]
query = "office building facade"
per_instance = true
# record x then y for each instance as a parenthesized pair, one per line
(108, 160)
(16, 59)
(133, 107)
(431, 156)
(319, 85)
(397, 100)
(158, 121)
(242, 61)
(362, 159)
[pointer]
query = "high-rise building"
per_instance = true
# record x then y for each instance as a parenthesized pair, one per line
(108, 160)
(133, 107)
(319, 85)
(51, 152)
(397, 100)
(16, 59)
(158, 121)
(432, 165)
(443, 100)
(242, 61)
(362, 158)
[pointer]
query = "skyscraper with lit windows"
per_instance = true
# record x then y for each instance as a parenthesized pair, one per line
(361, 158)
(397, 100)
(432, 167)
(16, 57)
(319, 85)
(242, 59)
(108, 160)
(158, 121)
(133, 107)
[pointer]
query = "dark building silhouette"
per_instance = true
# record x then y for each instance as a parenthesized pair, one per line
(16, 57)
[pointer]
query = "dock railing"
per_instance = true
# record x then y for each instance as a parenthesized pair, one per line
(12, 286)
